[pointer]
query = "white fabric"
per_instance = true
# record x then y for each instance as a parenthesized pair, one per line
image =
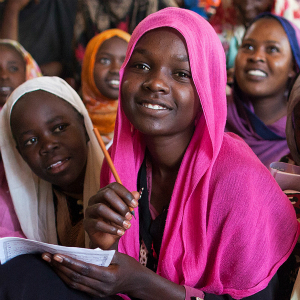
(32, 197)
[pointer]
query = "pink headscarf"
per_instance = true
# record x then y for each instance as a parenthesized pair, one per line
(229, 226)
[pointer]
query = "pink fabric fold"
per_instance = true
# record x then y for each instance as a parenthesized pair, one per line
(9, 223)
(229, 226)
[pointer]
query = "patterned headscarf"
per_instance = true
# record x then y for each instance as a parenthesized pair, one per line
(32, 68)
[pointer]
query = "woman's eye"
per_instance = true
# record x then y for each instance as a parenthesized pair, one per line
(60, 128)
(248, 47)
(273, 49)
(104, 61)
(13, 69)
(183, 74)
(142, 67)
(30, 141)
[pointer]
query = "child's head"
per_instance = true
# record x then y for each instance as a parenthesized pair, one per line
(16, 66)
(12, 71)
(109, 59)
(51, 137)
(248, 10)
(267, 59)
(103, 58)
(188, 74)
(158, 92)
(45, 124)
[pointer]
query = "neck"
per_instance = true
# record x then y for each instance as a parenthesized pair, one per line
(271, 109)
(166, 153)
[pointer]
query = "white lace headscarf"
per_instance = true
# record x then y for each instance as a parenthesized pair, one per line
(33, 197)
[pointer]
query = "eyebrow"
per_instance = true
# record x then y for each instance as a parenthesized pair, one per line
(183, 58)
(267, 41)
(57, 118)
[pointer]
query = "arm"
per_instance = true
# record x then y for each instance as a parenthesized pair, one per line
(107, 219)
(10, 23)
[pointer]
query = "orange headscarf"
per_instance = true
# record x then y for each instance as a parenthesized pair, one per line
(102, 110)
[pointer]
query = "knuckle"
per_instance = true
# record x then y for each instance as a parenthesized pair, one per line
(75, 278)
(85, 271)
(101, 208)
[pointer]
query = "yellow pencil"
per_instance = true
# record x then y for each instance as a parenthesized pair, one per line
(109, 161)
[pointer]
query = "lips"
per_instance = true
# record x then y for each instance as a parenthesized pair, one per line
(58, 165)
(114, 83)
(257, 73)
(5, 90)
(154, 106)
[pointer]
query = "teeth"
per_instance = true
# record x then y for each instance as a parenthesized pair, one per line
(257, 73)
(54, 165)
(5, 89)
(151, 106)
(115, 82)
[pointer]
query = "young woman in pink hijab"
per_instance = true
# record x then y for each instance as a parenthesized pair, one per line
(211, 222)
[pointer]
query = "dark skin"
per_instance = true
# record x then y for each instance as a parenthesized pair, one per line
(51, 138)
(159, 99)
(264, 67)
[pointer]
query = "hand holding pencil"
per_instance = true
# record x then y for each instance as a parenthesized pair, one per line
(109, 161)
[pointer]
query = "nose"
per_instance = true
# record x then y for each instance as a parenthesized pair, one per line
(157, 82)
(258, 54)
(3, 73)
(48, 144)
(115, 67)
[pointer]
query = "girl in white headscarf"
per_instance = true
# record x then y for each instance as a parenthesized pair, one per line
(45, 209)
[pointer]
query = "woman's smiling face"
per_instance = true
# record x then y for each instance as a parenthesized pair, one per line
(158, 93)
(51, 138)
(264, 63)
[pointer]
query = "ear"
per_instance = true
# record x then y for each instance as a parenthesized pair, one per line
(292, 73)
(293, 69)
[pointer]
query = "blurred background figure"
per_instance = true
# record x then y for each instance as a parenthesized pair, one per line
(95, 16)
(45, 29)
(234, 16)
(100, 78)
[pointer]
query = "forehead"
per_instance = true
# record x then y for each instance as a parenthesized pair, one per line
(264, 28)
(12, 52)
(165, 39)
(40, 104)
(114, 45)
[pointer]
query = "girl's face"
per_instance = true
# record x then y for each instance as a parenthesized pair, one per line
(12, 71)
(108, 62)
(264, 63)
(51, 138)
(158, 93)
(250, 9)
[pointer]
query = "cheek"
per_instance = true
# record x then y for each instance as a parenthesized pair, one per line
(99, 74)
(19, 78)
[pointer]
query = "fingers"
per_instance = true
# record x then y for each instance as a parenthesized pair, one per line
(82, 276)
(117, 196)
(93, 225)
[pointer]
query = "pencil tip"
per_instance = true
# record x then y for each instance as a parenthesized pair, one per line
(133, 213)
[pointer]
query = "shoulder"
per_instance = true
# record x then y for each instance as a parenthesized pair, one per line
(238, 163)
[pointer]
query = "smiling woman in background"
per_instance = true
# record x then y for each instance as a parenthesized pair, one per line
(100, 78)
(265, 66)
